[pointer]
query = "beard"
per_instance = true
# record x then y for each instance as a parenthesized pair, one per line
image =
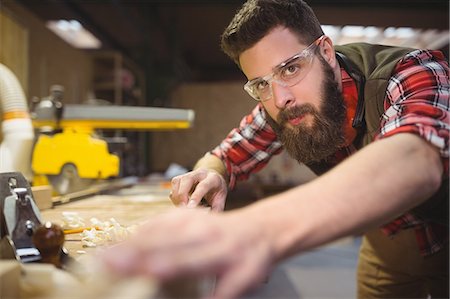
(314, 143)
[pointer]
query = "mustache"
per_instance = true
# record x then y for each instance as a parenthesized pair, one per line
(297, 111)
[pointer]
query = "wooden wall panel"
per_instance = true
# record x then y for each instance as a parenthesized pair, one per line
(14, 47)
(49, 59)
(218, 108)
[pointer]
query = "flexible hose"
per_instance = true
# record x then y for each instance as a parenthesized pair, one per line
(16, 125)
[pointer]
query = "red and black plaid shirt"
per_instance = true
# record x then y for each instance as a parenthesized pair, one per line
(417, 101)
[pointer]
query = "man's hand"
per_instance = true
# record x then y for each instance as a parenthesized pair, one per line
(194, 243)
(189, 189)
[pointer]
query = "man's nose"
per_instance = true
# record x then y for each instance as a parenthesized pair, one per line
(281, 95)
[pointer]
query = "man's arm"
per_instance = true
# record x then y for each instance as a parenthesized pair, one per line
(377, 184)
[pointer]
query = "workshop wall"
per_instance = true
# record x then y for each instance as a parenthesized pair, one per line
(218, 107)
(49, 60)
(14, 47)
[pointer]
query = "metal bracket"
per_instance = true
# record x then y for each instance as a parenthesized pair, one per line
(19, 216)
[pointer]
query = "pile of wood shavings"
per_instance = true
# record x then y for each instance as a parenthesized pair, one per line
(99, 232)
(71, 220)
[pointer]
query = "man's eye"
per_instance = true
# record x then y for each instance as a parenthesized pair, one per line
(290, 70)
(261, 85)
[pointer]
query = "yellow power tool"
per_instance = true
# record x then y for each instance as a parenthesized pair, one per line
(70, 154)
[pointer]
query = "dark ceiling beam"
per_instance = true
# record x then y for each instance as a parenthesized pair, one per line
(436, 4)
(426, 18)
(124, 12)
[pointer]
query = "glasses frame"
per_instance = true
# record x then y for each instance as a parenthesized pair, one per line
(308, 51)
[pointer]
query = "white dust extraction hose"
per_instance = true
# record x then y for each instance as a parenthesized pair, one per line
(16, 147)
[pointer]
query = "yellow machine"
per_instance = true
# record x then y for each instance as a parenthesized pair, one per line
(68, 152)
(72, 158)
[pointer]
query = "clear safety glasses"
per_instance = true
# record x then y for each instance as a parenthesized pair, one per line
(287, 73)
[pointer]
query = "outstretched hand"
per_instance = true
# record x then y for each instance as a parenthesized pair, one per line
(193, 243)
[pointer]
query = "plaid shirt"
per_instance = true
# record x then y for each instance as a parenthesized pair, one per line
(417, 101)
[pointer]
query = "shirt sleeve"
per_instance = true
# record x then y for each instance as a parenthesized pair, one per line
(418, 100)
(249, 147)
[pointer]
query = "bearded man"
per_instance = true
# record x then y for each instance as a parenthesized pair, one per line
(372, 121)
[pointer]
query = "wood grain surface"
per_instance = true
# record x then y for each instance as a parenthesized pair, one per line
(128, 207)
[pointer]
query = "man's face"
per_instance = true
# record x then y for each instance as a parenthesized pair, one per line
(307, 117)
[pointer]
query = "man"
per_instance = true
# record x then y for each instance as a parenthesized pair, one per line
(373, 121)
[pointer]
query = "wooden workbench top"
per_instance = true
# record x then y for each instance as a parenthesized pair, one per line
(128, 207)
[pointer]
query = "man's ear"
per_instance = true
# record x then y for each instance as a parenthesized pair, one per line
(327, 51)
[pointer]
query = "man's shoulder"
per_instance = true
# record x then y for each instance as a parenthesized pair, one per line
(361, 46)
(379, 55)
(374, 60)
(373, 52)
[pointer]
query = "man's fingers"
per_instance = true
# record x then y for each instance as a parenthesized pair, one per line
(205, 244)
(199, 192)
(181, 188)
(207, 184)
(218, 204)
(212, 189)
(187, 184)
(189, 189)
(174, 193)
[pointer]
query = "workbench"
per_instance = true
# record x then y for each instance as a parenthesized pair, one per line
(129, 207)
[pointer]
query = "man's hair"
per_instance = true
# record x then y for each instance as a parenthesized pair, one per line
(257, 18)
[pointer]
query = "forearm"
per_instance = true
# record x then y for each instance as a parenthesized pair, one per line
(377, 184)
